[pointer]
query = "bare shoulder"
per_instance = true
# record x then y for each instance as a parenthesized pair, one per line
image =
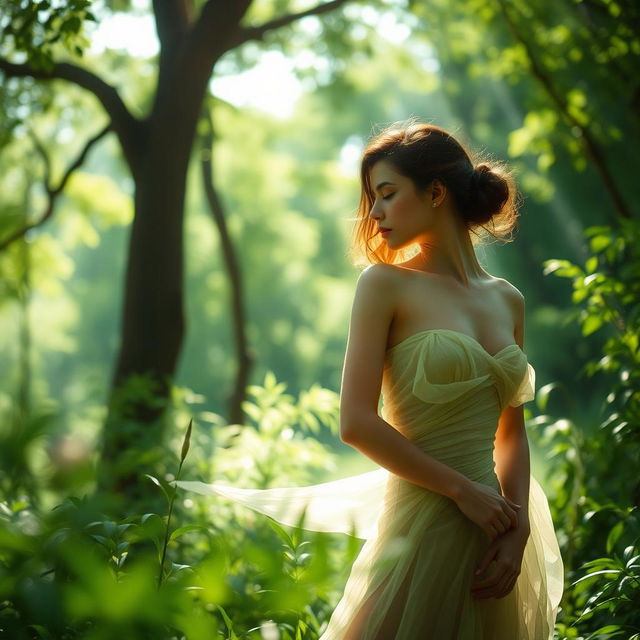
(375, 299)
(512, 294)
(379, 283)
(380, 274)
(515, 301)
(388, 278)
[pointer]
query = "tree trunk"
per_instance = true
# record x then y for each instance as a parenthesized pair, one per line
(153, 323)
(244, 354)
(157, 151)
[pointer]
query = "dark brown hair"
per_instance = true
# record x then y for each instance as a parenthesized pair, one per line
(484, 193)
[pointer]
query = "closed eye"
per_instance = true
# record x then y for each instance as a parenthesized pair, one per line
(388, 196)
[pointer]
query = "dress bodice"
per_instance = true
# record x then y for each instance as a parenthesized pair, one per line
(443, 391)
(443, 365)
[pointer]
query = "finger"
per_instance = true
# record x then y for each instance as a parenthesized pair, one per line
(490, 530)
(505, 521)
(509, 588)
(502, 587)
(488, 582)
(506, 584)
(513, 516)
(499, 590)
(512, 512)
(493, 589)
(486, 559)
(496, 573)
(508, 521)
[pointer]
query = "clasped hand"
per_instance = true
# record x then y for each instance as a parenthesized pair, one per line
(504, 555)
(493, 513)
(498, 518)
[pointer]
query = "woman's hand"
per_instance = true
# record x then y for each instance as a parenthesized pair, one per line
(501, 564)
(492, 512)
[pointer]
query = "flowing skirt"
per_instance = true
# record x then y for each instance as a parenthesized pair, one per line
(412, 578)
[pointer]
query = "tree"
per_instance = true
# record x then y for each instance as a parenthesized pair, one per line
(157, 149)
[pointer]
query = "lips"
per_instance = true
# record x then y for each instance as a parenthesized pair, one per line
(383, 229)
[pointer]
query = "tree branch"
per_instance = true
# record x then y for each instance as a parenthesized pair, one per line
(53, 192)
(221, 17)
(45, 158)
(126, 126)
(172, 20)
(244, 354)
(257, 33)
(591, 147)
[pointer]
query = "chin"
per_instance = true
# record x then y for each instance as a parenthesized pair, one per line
(396, 245)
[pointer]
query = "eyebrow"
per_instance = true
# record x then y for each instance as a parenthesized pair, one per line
(382, 184)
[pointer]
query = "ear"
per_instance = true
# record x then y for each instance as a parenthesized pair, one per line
(438, 190)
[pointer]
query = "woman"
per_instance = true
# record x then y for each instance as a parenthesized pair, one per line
(460, 544)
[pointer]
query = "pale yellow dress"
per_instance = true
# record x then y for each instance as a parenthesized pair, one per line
(411, 580)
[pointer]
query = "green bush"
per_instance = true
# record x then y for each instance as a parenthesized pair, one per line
(595, 466)
(73, 572)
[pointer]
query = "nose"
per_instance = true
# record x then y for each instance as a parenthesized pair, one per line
(375, 211)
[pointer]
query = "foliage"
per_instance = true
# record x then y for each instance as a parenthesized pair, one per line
(595, 466)
(19, 437)
(38, 27)
(458, 65)
(73, 572)
(277, 450)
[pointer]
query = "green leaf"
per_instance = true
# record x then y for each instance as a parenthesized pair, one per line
(596, 573)
(613, 536)
(182, 530)
(600, 243)
(157, 482)
(42, 631)
(146, 516)
(228, 622)
(542, 397)
(591, 324)
(610, 629)
(280, 531)
(592, 264)
(562, 268)
(185, 443)
(631, 563)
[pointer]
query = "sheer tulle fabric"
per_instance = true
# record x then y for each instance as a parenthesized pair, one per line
(413, 575)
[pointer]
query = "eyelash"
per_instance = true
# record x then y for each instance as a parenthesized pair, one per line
(387, 197)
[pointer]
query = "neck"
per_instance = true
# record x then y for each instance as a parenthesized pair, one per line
(450, 255)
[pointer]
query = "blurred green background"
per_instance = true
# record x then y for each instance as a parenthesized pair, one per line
(293, 90)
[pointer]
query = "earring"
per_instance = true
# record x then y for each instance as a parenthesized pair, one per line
(435, 204)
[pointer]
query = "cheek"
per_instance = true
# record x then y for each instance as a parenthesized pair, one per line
(401, 205)
(411, 210)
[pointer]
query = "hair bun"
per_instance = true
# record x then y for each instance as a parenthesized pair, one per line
(489, 192)
(481, 173)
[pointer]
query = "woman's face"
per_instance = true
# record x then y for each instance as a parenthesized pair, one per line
(399, 207)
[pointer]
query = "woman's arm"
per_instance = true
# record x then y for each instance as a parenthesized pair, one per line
(362, 428)
(511, 449)
(511, 455)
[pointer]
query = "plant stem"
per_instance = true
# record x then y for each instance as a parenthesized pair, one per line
(183, 455)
